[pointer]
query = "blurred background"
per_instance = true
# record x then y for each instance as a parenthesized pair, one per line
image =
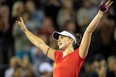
(19, 58)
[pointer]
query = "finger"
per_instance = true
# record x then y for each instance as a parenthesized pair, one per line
(17, 21)
(21, 19)
(107, 2)
(101, 3)
(110, 4)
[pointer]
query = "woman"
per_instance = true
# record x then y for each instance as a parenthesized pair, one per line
(68, 61)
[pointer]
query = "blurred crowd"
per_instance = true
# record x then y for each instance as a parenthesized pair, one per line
(20, 58)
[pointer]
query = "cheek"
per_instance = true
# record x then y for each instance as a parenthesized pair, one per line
(66, 43)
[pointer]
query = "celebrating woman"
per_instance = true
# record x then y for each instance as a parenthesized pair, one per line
(68, 60)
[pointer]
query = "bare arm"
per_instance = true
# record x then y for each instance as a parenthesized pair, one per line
(85, 43)
(36, 40)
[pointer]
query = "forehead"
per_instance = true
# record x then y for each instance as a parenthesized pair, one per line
(102, 62)
(62, 36)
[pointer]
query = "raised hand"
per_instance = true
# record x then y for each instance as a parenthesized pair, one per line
(21, 24)
(105, 6)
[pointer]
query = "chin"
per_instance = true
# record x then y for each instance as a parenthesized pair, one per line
(62, 48)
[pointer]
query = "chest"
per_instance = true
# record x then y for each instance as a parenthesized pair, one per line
(68, 62)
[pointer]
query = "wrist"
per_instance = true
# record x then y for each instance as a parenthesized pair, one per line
(104, 6)
(25, 30)
(101, 12)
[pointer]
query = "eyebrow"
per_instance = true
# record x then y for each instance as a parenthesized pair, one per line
(60, 35)
(64, 36)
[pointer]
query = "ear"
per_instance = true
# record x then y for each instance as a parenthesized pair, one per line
(71, 40)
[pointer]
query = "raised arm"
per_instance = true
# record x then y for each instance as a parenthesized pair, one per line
(36, 40)
(85, 43)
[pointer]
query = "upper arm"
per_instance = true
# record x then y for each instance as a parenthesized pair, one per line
(85, 43)
(48, 51)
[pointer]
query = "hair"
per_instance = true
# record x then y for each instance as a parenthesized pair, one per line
(78, 37)
(111, 58)
(99, 57)
(14, 8)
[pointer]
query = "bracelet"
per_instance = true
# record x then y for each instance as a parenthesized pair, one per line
(47, 51)
(102, 8)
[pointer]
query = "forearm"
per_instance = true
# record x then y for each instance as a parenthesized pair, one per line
(36, 41)
(92, 26)
(49, 52)
(85, 43)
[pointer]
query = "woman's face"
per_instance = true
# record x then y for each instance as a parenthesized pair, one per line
(64, 42)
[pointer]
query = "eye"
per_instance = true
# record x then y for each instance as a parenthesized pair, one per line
(62, 37)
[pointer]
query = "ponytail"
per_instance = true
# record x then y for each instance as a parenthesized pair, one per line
(78, 37)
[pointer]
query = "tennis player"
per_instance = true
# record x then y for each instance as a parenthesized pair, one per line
(68, 60)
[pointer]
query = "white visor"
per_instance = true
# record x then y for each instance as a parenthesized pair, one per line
(56, 35)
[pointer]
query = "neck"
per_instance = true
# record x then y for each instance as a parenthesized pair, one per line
(68, 50)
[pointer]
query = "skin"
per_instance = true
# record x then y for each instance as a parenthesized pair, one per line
(101, 68)
(66, 45)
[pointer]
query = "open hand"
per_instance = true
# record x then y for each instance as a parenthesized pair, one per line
(105, 6)
(20, 22)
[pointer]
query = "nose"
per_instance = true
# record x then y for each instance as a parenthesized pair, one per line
(59, 40)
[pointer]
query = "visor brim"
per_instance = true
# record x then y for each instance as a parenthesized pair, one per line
(56, 35)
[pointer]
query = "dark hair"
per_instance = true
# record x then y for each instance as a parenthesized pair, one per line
(99, 57)
(78, 37)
